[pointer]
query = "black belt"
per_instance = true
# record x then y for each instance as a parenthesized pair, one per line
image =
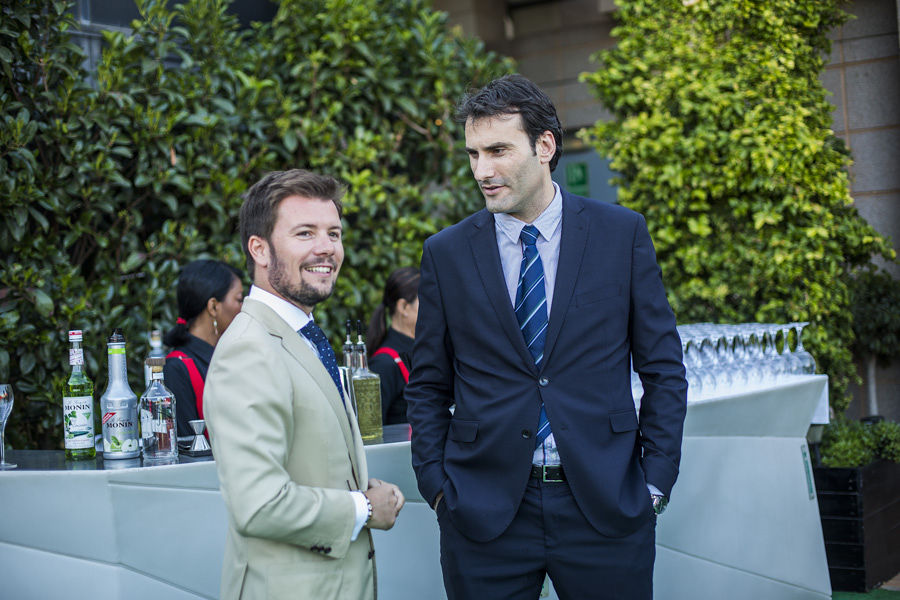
(548, 473)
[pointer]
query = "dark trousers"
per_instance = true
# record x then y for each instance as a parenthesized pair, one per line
(549, 534)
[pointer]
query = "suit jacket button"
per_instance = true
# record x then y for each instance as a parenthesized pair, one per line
(328, 550)
(526, 433)
(371, 553)
(543, 381)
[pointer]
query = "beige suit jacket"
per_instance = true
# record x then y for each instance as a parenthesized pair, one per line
(287, 454)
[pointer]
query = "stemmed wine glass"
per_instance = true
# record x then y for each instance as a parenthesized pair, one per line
(6, 404)
(807, 365)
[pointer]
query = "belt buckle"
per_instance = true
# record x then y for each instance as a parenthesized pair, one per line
(546, 478)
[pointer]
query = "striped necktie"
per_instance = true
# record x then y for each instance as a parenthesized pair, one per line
(314, 333)
(531, 310)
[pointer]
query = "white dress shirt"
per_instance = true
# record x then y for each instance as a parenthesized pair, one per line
(508, 230)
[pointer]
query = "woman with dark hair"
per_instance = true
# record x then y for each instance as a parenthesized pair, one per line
(209, 294)
(390, 348)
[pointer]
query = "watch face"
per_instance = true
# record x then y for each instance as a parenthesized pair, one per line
(659, 504)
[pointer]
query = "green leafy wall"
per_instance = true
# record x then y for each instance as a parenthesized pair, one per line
(110, 183)
(721, 136)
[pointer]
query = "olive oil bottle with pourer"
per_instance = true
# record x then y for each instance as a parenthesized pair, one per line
(367, 393)
(78, 405)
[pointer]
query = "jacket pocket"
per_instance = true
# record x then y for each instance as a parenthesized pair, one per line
(606, 291)
(623, 420)
(463, 431)
(301, 581)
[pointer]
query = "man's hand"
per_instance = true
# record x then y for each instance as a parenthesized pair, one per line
(387, 500)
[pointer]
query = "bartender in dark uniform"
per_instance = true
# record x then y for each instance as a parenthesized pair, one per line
(390, 347)
(209, 295)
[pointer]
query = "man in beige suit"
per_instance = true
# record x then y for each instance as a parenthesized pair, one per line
(290, 459)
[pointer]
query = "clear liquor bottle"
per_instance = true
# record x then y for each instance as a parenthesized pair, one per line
(367, 392)
(156, 351)
(158, 432)
(78, 405)
(346, 370)
(118, 405)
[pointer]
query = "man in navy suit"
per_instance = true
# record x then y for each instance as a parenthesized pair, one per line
(531, 313)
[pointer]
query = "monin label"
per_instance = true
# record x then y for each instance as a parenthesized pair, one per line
(78, 421)
(120, 432)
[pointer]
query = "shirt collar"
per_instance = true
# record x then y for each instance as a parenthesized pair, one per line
(547, 222)
(291, 314)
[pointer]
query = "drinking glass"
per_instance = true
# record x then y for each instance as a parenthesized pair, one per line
(6, 404)
(806, 361)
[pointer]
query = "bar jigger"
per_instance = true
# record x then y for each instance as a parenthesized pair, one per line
(199, 447)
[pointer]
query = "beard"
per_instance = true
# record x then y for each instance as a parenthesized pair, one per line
(300, 293)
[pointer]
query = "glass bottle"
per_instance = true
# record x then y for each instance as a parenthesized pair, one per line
(78, 405)
(118, 405)
(156, 351)
(367, 392)
(346, 370)
(158, 433)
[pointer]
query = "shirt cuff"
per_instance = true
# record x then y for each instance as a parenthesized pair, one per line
(362, 513)
(654, 491)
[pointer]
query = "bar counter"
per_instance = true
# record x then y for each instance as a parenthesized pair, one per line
(743, 522)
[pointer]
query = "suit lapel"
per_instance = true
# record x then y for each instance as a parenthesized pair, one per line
(573, 240)
(309, 361)
(486, 256)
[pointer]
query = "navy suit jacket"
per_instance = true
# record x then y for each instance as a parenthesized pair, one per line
(609, 305)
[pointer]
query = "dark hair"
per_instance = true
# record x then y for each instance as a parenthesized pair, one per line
(402, 283)
(260, 208)
(199, 281)
(510, 95)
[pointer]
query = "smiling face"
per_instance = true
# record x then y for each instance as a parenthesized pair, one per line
(513, 174)
(301, 260)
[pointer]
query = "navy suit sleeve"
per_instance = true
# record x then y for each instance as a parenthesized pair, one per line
(657, 356)
(429, 394)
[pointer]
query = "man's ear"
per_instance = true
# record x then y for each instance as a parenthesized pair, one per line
(545, 146)
(259, 251)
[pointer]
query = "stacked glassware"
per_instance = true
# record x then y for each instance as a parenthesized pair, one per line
(723, 359)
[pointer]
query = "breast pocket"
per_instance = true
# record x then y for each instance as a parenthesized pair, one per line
(603, 292)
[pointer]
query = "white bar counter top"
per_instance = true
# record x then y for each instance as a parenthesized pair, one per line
(743, 521)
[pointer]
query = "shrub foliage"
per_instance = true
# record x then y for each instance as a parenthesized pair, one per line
(721, 137)
(110, 181)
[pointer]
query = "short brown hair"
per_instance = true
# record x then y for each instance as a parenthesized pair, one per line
(260, 208)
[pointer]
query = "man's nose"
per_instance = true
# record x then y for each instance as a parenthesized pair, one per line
(324, 246)
(482, 169)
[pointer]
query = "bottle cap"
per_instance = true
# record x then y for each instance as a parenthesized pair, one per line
(75, 335)
(116, 337)
(155, 362)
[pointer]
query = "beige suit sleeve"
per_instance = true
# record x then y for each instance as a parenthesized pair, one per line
(250, 414)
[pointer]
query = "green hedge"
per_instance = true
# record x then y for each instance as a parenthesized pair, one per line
(110, 181)
(721, 136)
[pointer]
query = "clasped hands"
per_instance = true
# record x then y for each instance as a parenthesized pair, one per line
(387, 500)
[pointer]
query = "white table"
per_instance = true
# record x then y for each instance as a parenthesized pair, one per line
(743, 521)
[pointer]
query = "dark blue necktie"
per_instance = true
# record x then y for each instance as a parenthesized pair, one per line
(531, 310)
(314, 333)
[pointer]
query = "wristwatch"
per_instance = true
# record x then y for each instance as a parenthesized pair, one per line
(659, 503)
(369, 510)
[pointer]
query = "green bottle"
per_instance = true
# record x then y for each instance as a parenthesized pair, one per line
(78, 405)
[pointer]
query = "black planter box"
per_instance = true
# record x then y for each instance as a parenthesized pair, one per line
(860, 511)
